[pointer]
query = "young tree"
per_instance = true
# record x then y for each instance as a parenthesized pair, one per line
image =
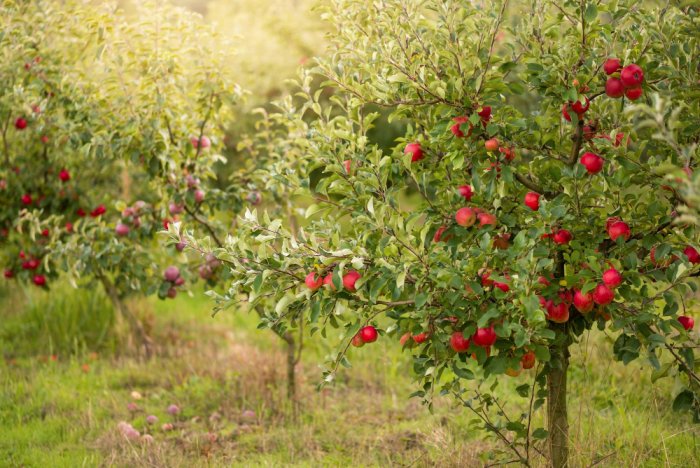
(522, 208)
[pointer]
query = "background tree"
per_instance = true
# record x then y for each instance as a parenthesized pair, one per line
(521, 209)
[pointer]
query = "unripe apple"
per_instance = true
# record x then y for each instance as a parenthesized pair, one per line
(171, 273)
(581, 107)
(612, 278)
(466, 191)
(26, 199)
(204, 142)
(532, 200)
(634, 93)
(349, 280)
(619, 229)
(456, 128)
(313, 281)
(557, 313)
(199, 196)
(687, 322)
(415, 150)
(121, 229)
(614, 88)
(368, 334)
(459, 343)
(357, 341)
(39, 280)
(528, 360)
(487, 219)
(592, 162)
(64, 175)
(692, 254)
(465, 217)
(583, 302)
(632, 75)
(611, 65)
(491, 144)
(603, 295)
(484, 337)
(562, 237)
(20, 123)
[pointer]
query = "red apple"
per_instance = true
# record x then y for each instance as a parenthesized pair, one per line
(459, 343)
(583, 302)
(171, 273)
(121, 229)
(26, 199)
(491, 144)
(349, 280)
(438, 234)
(39, 280)
(485, 114)
(484, 337)
(9, 273)
(611, 65)
(466, 191)
(420, 338)
(204, 142)
(368, 334)
(20, 123)
(634, 93)
(614, 88)
(619, 229)
(64, 175)
(603, 295)
(172, 292)
(592, 162)
(465, 217)
(562, 237)
(532, 200)
(508, 153)
(687, 322)
(456, 128)
(313, 281)
(347, 164)
(404, 338)
(357, 341)
(487, 219)
(557, 313)
(528, 360)
(612, 278)
(328, 281)
(692, 254)
(632, 75)
(581, 107)
(199, 196)
(565, 112)
(100, 210)
(502, 286)
(502, 241)
(415, 150)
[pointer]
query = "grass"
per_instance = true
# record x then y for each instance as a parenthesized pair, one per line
(65, 412)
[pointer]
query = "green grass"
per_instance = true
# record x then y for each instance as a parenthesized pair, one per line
(58, 413)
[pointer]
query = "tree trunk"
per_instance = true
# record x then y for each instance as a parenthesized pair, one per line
(557, 417)
(291, 366)
(143, 340)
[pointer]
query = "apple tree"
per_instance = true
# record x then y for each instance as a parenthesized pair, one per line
(533, 197)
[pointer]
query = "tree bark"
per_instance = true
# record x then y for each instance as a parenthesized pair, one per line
(291, 365)
(144, 341)
(557, 417)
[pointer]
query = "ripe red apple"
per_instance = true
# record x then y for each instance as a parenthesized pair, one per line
(557, 313)
(687, 322)
(64, 175)
(502, 286)
(175, 208)
(31, 264)
(44, 139)
(632, 75)
(313, 281)
(581, 107)
(465, 217)
(484, 337)
(634, 93)
(368, 334)
(508, 153)
(438, 234)
(121, 229)
(357, 341)
(415, 150)
(191, 181)
(611, 65)
(484, 276)
(614, 88)
(487, 219)
(80, 212)
(179, 281)
(692, 254)
(204, 142)
(20, 123)
(565, 112)
(485, 114)
(198, 196)
(172, 292)
(491, 144)
(612, 278)
(583, 302)
(349, 280)
(26, 199)
(100, 210)
(404, 338)
(39, 280)
(528, 360)
(466, 191)
(420, 338)
(459, 343)
(532, 200)
(562, 237)
(171, 273)
(603, 295)
(592, 162)
(347, 164)
(69, 227)
(328, 281)
(456, 129)
(619, 229)
(9, 273)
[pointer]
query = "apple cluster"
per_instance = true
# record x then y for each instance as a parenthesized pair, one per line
(623, 81)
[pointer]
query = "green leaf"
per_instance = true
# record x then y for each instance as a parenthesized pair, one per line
(591, 12)
(684, 401)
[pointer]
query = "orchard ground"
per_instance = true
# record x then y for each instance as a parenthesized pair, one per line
(227, 378)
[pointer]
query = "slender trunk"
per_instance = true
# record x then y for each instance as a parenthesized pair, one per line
(144, 341)
(557, 417)
(291, 366)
